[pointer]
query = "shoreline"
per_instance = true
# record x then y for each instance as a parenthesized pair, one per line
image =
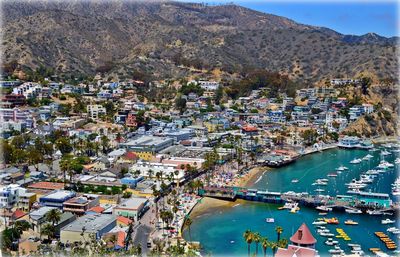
(207, 204)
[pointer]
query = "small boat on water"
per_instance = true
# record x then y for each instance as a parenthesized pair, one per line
(322, 213)
(319, 190)
(336, 250)
(374, 212)
(356, 161)
(326, 234)
(332, 175)
(323, 208)
(353, 211)
(350, 222)
(319, 222)
(295, 180)
(388, 221)
(384, 153)
(330, 241)
(342, 168)
(270, 220)
(332, 221)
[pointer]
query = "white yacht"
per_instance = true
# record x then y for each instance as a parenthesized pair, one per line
(356, 161)
(384, 153)
(323, 208)
(330, 241)
(353, 211)
(342, 168)
(388, 221)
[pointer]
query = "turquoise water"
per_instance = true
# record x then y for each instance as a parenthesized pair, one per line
(220, 231)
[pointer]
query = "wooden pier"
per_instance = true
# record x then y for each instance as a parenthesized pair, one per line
(362, 201)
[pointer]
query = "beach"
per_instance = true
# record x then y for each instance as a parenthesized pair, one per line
(208, 205)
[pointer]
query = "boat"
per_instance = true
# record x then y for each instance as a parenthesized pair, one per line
(336, 250)
(330, 241)
(295, 180)
(323, 208)
(384, 153)
(319, 190)
(270, 220)
(356, 161)
(332, 221)
(332, 175)
(397, 161)
(319, 222)
(326, 234)
(342, 168)
(320, 182)
(322, 213)
(374, 212)
(350, 222)
(353, 211)
(388, 221)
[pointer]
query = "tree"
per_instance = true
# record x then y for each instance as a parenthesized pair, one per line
(256, 238)
(283, 243)
(248, 237)
(180, 104)
(64, 145)
(48, 230)
(265, 244)
(188, 223)
(53, 216)
(279, 231)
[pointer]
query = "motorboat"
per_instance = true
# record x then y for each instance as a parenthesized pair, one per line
(323, 208)
(353, 211)
(319, 222)
(366, 179)
(332, 221)
(356, 185)
(342, 168)
(295, 180)
(336, 250)
(320, 182)
(350, 222)
(384, 153)
(323, 230)
(319, 190)
(270, 220)
(326, 234)
(323, 213)
(374, 212)
(332, 175)
(367, 157)
(372, 172)
(356, 161)
(388, 221)
(397, 161)
(330, 241)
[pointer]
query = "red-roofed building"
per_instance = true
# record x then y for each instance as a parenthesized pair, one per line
(123, 221)
(120, 239)
(47, 185)
(96, 209)
(249, 130)
(17, 214)
(303, 244)
(130, 156)
(303, 237)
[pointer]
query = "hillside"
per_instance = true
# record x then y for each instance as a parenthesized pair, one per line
(165, 38)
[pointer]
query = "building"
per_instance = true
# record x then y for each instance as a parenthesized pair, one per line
(208, 85)
(13, 100)
(87, 226)
(80, 204)
(95, 111)
(38, 217)
(131, 120)
(150, 169)
(146, 146)
(302, 244)
(28, 90)
(56, 198)
(132, 208)
(26, 201)
(9, 195)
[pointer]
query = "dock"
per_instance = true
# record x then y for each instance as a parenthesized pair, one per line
(364, 201)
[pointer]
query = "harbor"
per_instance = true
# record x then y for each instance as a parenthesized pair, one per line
(278, 186)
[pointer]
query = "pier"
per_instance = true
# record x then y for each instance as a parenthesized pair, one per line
(363, 201)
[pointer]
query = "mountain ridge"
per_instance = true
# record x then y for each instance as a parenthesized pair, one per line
(160, 37)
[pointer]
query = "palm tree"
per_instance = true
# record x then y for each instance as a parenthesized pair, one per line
(265, 244)
(283, 243)
(279, 231)
(188, 223)
(53, 216)
(248, 237)
(176, 173)
(48, 230)
(274, 246)
(150, 173)
(256, 238)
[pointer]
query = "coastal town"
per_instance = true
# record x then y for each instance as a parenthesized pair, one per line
(101, 167)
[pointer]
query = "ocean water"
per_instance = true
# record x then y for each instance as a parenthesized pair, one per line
(220, 230)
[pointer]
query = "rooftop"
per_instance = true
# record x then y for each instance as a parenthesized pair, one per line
(133, 203)
(46, 185)
(90, 223)
(59, 194)
(303, 236)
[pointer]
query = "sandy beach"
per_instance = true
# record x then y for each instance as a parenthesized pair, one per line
(210, 204)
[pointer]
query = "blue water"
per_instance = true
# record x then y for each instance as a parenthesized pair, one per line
(220, 230)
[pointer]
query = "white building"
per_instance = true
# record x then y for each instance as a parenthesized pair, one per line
(368, 108)
(9, 195)
(207, 85)
(28, 89)
(95, 111)
(150, 169)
